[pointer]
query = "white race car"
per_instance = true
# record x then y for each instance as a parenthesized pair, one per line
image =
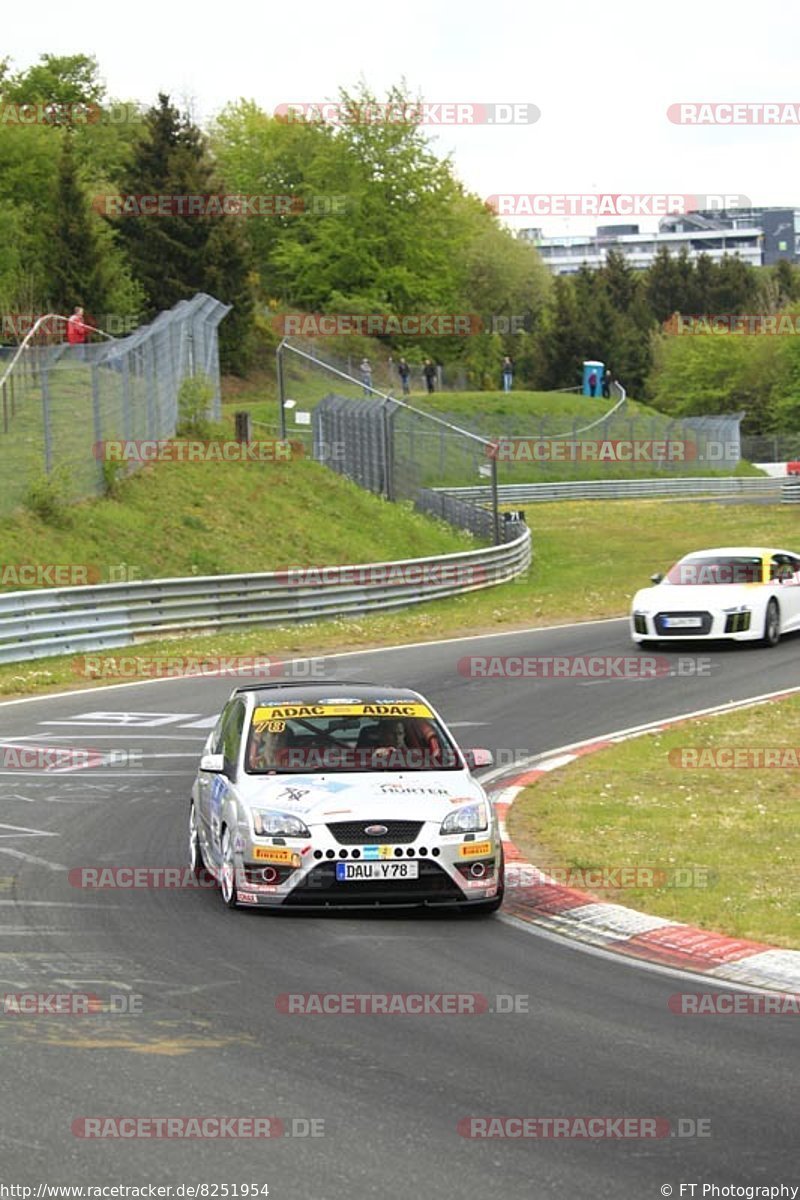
(341, 795)
(744, 593)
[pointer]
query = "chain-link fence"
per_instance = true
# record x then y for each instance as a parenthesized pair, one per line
(777, 448)
(59, 401)
(450, 448)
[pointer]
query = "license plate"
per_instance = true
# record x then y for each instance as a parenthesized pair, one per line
(683, 622)
(355, 872)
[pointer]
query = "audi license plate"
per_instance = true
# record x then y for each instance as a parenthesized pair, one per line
(683, 622)
(353, 872)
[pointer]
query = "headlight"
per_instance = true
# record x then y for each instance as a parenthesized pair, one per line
(278, 824)
(467, 819)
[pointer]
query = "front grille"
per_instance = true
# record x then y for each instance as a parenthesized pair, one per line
(351, 833)
(737, 622)
(321, 887)
(663, 630)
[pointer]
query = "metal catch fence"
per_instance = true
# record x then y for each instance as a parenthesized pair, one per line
(61, 401)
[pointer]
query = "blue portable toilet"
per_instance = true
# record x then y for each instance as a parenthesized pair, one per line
(598, 369)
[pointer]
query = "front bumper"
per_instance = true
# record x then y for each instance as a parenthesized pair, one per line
(457, 869)
(736, 625)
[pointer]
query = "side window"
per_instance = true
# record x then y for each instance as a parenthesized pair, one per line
(216, 738)
(232, 735)
(783, 567)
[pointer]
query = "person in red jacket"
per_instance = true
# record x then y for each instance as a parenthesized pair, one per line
(77, 330)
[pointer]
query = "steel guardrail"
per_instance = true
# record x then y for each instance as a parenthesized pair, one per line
(622, 489)
(50, 621)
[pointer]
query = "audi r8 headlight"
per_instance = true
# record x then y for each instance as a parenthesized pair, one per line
(270, 823)
(467, 819)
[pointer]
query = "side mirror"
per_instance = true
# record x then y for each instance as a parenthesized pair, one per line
(478, 758)
(213, 763)
(657, 577)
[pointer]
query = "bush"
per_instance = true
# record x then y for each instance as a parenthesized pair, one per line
(48, 497)
(194, 401)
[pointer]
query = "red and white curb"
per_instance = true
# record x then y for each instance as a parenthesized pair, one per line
(534, 897)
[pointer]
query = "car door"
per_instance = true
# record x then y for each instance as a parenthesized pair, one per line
(786, 569)
(212, 787)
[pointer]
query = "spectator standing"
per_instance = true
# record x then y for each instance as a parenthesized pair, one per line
(606, 384)
(508, 374)
(77, 330)
(366, 376)
(593, 383)
(403, 370)
(429, 371)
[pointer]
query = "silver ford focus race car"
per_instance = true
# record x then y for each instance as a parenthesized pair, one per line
(342, 795)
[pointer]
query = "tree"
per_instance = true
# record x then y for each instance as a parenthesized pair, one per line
(77, 269)
(559, 340)
(178, 253)
(620, 281)
(664, 290)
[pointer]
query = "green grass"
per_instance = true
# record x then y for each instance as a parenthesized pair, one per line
(221, 518)
(728, 840)
(588, 561)
(435, 457)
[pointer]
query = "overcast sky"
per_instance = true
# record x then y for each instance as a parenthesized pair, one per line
(603, 76)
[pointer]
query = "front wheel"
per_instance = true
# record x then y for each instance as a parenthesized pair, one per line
(772, 624)
(227, 873)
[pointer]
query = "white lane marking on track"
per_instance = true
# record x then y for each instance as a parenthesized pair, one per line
(129, 720)
(32, 858)
(24, 831)
(55, 904)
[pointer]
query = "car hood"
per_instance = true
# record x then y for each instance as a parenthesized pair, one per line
(393, 795)
(672, 597)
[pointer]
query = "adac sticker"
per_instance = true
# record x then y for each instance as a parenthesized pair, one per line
(264, 714)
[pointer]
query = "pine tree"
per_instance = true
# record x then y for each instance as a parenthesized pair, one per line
(76, 272)
(175, 253)
(664, 293)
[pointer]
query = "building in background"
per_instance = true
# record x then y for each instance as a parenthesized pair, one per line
(759, 236)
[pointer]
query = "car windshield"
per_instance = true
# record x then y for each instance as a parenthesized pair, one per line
(347, 737)
(716, 569)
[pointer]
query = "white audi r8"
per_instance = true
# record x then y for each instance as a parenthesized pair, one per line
(744, 593)
(342, 795)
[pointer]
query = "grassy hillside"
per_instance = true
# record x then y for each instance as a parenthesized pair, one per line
(217, 518)
(446, 459)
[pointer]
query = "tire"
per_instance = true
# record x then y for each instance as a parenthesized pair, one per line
(197, 862)
(772, 624)
(227, 872)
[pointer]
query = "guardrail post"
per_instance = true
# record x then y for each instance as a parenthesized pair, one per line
(495, 504)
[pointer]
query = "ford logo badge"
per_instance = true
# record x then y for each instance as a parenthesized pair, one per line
(376, 829)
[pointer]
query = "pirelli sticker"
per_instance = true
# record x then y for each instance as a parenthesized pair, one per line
(276, 854)
(266, 714)
(475, 849)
